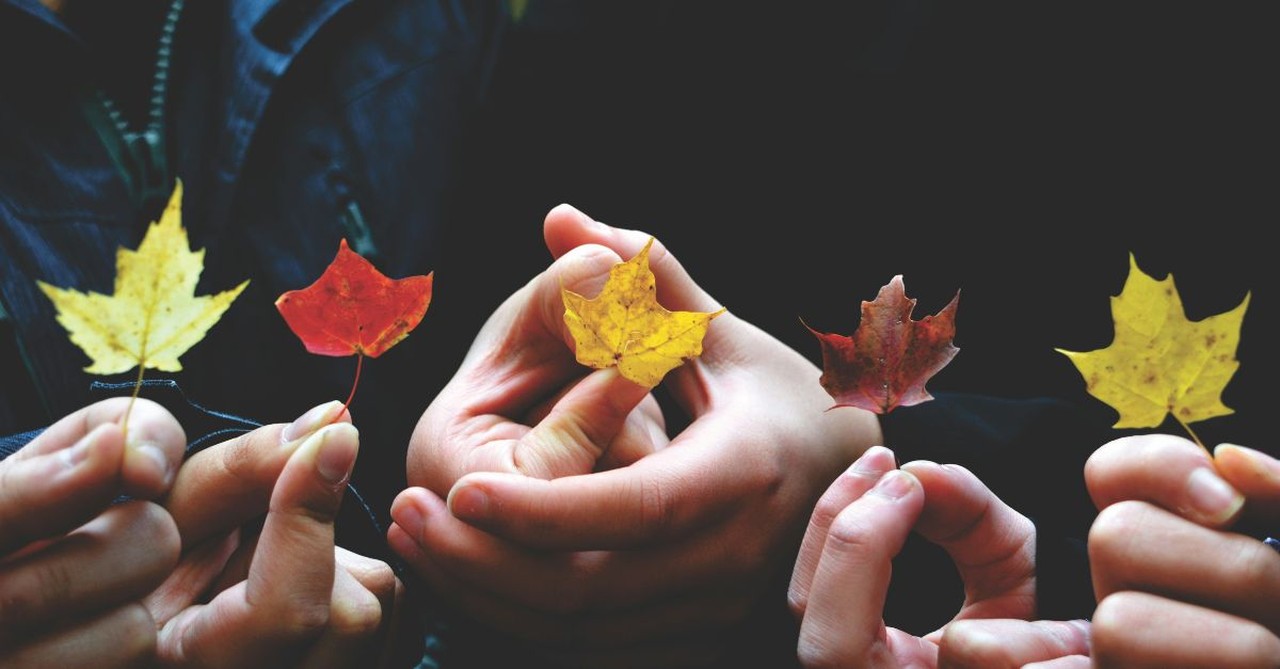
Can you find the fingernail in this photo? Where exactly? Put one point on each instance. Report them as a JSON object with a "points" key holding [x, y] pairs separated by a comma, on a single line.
{"points": [[336, 452], [893, 484], [469, 503], [875, 459], [1084, 627], [1262, 464], [922, 464], [1211, 496], [410, 519], [315, 418], [156, 458]]}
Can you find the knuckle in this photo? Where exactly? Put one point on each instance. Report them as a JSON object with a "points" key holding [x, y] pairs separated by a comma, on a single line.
{"points": [[657, 510], [769, 475], [52, 590], [1112, 623], [250, 461], [1113, 529], [355, 617], [11, 517], [851, 535], [965, 644], [37, 590], [311, 510], [824, 512], [303, 620], [137, 634], [1255, 563], [380, 579], [1114, 616], [158, 531]]}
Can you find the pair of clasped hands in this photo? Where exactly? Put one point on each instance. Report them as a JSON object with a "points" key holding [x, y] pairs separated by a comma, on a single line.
{"points": [[88, 579], [554, 508]]}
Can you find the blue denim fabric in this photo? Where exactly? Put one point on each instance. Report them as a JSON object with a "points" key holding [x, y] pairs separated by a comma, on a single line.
{"points": [[292, 125]]}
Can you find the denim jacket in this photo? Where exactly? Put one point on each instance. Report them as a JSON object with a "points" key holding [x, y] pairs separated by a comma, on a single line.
{"points": [[292, 125]]}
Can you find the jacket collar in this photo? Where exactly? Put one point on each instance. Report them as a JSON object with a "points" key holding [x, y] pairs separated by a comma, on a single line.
{"points": [[265, 38]]}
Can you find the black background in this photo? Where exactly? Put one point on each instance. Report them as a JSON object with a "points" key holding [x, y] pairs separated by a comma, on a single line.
{"points": [[796, 156]]}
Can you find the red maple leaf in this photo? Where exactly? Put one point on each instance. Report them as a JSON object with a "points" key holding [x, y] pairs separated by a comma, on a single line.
{"points": [[887, 361], [353, 309]]}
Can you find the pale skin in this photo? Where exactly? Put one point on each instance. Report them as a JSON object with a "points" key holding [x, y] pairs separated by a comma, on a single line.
{"points": [[183, 580], [1175, 585], [616, 542], [1176, 588], [285, 594], [75, 567], [843, 570]]}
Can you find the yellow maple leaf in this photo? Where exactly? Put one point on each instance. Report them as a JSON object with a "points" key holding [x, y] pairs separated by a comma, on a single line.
{"points": [[154, 315], [625, 326], [1159, 362]]}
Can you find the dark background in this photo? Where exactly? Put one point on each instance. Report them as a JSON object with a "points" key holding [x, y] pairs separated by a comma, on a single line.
{"points": [[797, 155]]}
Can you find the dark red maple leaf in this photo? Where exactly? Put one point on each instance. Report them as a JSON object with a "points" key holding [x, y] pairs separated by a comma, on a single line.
{"points": [[353, 309], [890, 357]]}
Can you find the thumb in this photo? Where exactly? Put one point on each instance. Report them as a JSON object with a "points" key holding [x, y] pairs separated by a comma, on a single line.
{"points": [[565, 228], [580, 427], [1005, 642], [1256, 475], [286, 598]]}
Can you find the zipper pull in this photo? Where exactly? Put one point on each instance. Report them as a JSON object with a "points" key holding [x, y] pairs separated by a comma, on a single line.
{"points": [[359, 236], [151, 167]]}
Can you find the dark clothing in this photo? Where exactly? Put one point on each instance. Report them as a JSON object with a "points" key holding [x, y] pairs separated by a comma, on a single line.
{"points": [[292, 125]]}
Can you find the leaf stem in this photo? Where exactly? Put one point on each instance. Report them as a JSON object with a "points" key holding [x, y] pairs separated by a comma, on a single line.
{"points": [[356, 382], [1192, 433], [137, 387]]}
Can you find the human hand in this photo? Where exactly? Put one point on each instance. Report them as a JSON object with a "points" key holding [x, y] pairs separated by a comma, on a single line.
{"points": [[842, 572], [74, 566], [654, 554], [1175, 586], [273, 591]]}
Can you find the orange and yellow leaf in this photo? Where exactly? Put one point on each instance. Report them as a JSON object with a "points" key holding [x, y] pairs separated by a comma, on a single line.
{"points": [[353, 309]]}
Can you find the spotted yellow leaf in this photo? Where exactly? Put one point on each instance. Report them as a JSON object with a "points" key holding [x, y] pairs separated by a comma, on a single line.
{"points": [[154, 316], [1159, 363], [625, 326]]}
